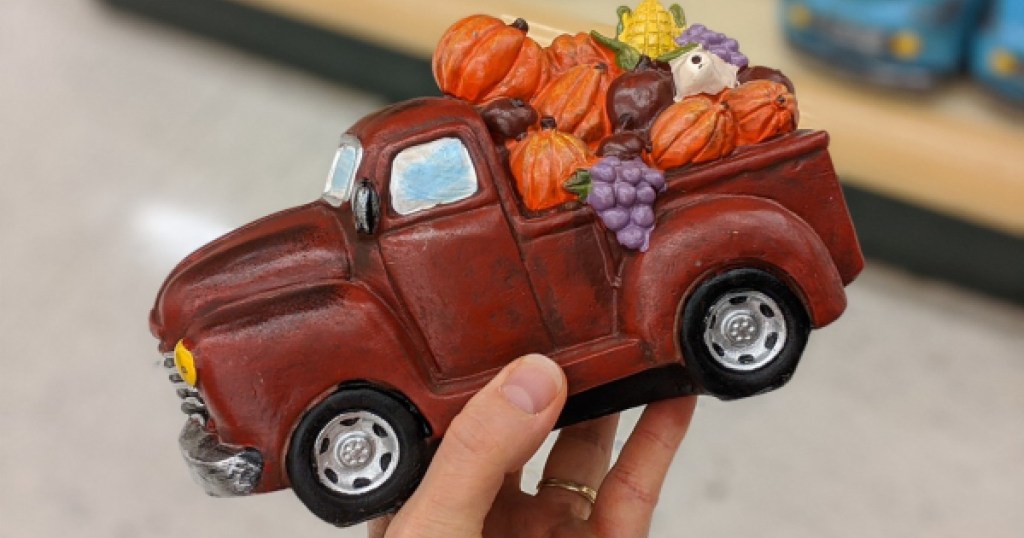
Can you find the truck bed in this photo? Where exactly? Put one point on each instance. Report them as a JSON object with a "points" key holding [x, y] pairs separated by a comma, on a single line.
{"points": [[794, 170]]}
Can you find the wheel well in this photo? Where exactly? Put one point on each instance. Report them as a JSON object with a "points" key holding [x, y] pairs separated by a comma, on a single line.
{"points": [[776, 272], [348, 385], [725, 383], [393, 393]]}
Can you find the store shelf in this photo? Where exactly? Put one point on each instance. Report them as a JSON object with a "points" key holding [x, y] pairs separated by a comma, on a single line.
{"points": [[935, 181], [954, 151]]}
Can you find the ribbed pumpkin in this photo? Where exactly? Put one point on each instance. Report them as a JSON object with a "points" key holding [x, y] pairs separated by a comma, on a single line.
{"points": [[543, 161], [763, 109], [480, 58], [694, 130], [576, 101], [568, 51]]}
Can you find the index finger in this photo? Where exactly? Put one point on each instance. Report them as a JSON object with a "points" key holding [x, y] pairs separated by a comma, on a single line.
{"points": [[626, 500]]}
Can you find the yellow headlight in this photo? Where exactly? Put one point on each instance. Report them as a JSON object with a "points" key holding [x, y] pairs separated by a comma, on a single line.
{"points": [[906, 45], [1003, 62], [186, 364], [799, 16]]}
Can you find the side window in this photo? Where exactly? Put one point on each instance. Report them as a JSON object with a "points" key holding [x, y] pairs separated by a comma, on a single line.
{"points": [[432, 174]]}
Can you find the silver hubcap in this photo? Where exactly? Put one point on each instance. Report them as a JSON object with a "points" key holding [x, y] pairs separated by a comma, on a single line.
{"points": [[355, 453], [744, 330]]}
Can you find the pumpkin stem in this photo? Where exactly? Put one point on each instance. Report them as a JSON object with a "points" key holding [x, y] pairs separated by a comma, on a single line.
{"points": [[521, 24], [548, 123]]}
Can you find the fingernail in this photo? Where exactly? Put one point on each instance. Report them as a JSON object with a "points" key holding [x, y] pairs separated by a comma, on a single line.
{"points": [[533, 384]]}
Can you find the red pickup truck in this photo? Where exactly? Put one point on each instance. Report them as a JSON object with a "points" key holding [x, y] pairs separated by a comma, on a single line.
{"points": [[327, 347]]}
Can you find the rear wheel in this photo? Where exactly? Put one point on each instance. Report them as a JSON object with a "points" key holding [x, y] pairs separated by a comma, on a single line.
{"points": [[357, 455], [743, 333]]}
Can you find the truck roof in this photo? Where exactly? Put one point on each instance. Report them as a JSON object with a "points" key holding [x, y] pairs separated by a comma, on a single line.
{"points": [[414, 116]]}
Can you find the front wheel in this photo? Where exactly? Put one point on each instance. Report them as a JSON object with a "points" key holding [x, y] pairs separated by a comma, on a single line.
{"points": [[357, 455], [743, 333]]}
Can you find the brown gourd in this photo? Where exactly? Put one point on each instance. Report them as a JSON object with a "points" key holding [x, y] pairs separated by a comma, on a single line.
{"points": [[576, 101], [694, 130], [543, 161], [508, 119], [636, 98], [763, 109], [480, 59]]}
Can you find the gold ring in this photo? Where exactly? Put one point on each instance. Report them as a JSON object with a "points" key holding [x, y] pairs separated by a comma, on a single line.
{"points": [[587, 492]]}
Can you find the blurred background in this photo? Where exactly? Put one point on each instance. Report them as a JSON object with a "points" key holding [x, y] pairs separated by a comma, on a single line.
{"points": [[133, 131]]}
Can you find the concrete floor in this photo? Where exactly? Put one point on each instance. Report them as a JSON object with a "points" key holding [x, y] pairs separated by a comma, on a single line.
{"points": [[124, 145]]}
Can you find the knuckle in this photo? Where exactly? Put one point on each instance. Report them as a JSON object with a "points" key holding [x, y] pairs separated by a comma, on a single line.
{"points": [[469, 433], [651, 437], [589, 439], [629, 481]]}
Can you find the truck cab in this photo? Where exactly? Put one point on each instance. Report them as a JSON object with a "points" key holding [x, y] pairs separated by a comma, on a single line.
{"points": [[328, 347]]}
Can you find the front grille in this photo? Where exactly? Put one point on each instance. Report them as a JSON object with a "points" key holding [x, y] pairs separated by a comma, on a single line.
{"points": [[192, 403]]}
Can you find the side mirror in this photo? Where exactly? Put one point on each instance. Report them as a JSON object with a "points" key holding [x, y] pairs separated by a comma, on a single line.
{"points": [[366, 208]]}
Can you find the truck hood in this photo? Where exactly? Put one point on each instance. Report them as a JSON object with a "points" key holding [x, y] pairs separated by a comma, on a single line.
{"points": [[302, 245]]}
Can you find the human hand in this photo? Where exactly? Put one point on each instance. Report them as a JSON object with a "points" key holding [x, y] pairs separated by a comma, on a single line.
{"points": [[472, 487]]}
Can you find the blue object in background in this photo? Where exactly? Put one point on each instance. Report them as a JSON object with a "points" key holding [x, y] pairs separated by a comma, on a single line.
{"points": [[997, 58], [901, 43]]}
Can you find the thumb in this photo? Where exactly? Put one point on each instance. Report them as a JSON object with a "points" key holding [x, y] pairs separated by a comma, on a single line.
{"points": [[497, 432]]}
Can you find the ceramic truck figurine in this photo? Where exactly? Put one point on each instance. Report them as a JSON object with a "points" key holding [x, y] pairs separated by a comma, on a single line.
{"points": [[326, 348]]}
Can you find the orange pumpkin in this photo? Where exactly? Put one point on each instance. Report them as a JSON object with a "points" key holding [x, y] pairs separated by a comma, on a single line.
{"points": [[576, 101], [543, 161], [694, 130], [480, 58], [568, 51], [763, 109]]}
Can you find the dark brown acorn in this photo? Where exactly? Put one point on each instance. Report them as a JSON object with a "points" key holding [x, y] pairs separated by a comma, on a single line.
{"points": [[760, 72], [636, 98], [625, 145], [508, 119]]}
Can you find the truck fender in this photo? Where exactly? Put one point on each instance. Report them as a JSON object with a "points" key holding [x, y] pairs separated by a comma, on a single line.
{"points": [[695, 242], [263, 363]]}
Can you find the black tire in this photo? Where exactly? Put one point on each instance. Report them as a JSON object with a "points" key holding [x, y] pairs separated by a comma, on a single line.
{"points": [[750, 361], [343, 503]]}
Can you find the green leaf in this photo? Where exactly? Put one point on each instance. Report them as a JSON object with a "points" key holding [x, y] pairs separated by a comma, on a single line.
{"points": [[579, 184], [625, 55], [609, 42], [669, 56], [628, 57], [678, 15]]}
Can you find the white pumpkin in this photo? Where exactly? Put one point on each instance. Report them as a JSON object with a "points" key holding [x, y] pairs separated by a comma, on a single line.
{"points": [[700, 71]]}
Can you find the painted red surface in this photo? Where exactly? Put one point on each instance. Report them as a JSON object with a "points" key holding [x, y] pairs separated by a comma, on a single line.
{"points": [[283, 311]]}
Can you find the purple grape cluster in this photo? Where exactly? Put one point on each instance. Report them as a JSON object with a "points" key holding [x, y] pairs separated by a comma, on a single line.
{"points": [[623, 193], [716, 43]]}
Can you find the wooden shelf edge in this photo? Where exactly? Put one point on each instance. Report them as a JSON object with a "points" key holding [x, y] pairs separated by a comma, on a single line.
{"points": [[907, 234], [942, 166]]}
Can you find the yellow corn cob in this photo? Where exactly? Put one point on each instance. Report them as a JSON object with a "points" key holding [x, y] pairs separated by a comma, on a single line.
{"points": [[650, 28]]}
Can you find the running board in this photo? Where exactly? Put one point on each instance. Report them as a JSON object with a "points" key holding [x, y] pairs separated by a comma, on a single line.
{"points": [[660, 383]]}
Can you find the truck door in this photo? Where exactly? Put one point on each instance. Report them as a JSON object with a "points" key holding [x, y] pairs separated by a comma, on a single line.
{"points": [[451, 257]]}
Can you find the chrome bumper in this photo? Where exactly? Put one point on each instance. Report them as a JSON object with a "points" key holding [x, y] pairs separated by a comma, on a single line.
{"points": [[222, 471]]}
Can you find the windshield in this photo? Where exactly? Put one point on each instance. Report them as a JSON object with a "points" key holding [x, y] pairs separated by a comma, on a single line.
{"points": [[343, 171]]}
